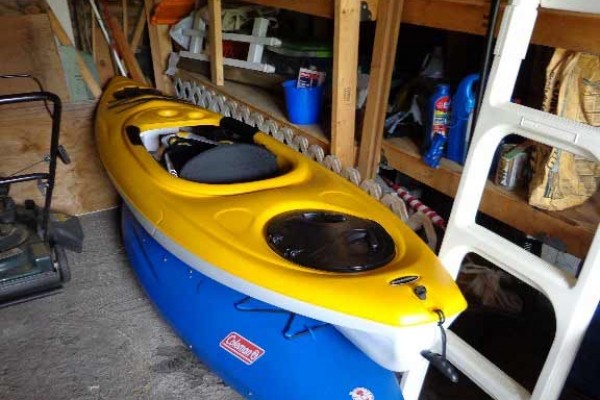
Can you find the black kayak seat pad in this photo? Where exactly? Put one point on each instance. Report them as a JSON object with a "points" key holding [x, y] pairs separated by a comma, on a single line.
{"points": [[231, 163]]}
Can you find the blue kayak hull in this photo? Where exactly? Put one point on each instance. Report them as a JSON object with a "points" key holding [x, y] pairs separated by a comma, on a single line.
{"points": [[262, 351]]}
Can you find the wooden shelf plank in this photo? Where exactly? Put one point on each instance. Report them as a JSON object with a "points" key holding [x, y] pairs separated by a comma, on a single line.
{"points": [[575, 226], [574, 31], [264, 102], [319, 8]]}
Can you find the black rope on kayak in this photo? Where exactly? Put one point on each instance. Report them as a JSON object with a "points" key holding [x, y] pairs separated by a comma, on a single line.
{"points": [[441, 322], [245, 304], [439, 361], [289, 331]]}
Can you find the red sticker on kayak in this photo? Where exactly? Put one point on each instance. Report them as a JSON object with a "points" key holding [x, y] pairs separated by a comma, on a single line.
{"points": [[361, 393], [242, 348]]}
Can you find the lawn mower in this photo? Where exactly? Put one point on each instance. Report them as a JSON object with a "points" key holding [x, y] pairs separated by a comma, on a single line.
{"points": [[33, 239]]}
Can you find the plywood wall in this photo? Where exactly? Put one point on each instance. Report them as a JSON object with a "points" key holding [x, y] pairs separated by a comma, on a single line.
{"points": [[21, 7], [27, 46], [82, 186]]}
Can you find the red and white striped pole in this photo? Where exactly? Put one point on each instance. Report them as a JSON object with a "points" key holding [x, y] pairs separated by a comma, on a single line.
{"points": [[416, 204]]}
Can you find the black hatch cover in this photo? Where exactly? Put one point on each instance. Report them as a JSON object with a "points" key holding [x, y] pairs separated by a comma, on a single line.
{"points": [[329, 241]]}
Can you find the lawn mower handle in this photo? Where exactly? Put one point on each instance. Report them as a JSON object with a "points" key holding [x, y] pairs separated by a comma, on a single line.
{"points": [[56, 116]]}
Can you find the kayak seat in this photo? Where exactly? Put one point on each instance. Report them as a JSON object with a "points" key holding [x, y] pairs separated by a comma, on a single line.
{"points": [[231, 163]]}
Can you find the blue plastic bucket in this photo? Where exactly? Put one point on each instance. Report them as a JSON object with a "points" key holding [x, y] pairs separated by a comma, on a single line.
{"points": [[303, 104]]}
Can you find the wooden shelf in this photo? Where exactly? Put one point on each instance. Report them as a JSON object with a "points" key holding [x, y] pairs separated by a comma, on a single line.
{"points": [[574, 31], [319, 8], [575, 226], [264, 102], [569, 30]]}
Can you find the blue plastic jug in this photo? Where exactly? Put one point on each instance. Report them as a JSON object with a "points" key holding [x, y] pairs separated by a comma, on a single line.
{"points": [[463, 104], [437, 125]]}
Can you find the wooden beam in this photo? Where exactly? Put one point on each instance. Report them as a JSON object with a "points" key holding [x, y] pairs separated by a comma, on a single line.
{"points": [[216, 42], [380, 80], [125, 52], [102, 56], [569, 30], [160, 44], [65, 40], [345, 65], [138, 31]]}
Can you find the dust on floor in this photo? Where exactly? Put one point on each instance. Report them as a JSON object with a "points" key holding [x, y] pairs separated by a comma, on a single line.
{"points": [[100, 338]]}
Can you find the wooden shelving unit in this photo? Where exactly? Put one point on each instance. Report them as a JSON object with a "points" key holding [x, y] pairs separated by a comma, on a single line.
{"points": [[569, 30], [575, 226]]}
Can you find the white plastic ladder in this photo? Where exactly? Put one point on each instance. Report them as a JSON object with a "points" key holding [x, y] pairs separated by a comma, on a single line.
{"points": [[574, 299]]}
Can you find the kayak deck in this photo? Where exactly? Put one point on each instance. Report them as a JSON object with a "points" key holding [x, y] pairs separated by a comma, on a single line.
{"points": [[220, 229]]}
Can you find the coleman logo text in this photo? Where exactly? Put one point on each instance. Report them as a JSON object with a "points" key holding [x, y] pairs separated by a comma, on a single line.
{"points": [[241, 348]]}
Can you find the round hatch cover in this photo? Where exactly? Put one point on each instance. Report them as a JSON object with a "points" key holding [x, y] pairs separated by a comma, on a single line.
{"points": [[329, 241]]}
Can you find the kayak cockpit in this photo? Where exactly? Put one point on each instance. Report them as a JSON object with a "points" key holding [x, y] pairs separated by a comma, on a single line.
{"points": [[211, 154]]}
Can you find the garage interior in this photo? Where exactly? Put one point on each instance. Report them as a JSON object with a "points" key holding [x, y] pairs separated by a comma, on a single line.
{"points": [[391, 79]]}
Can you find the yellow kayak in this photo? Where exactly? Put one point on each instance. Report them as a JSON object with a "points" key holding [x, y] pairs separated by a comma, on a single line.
{"points": [[295, 235]]}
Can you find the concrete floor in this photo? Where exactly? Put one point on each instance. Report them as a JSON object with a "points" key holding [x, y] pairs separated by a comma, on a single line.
{"points": [[100, 338]]}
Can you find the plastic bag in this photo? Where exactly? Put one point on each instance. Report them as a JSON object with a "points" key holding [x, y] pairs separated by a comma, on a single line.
{"points": [[562, 179]]}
